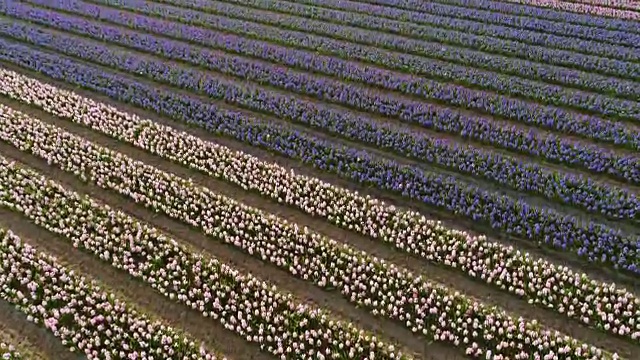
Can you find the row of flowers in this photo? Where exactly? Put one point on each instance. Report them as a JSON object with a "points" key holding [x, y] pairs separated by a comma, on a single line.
{"points": [[534, 279], [535, 114], [374, 284], [614, 4], [474, 20], [610, 44], [244, 304], [80, 312], [536, 11], [552, 148], [446, 119], [594, 241], [447, 67], [509, 48], [529, 177], [582, 8]]}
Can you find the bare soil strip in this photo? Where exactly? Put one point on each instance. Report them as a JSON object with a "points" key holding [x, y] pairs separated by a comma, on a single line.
{"points": [[10, 338], [450, 278]]}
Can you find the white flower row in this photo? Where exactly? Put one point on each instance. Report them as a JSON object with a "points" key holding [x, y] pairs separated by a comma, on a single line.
{"points": [[242, 303], [384, 289], [559, 288], [83, 316]]}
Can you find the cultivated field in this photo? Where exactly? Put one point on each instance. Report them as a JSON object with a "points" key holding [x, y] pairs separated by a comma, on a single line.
{"points": [[319, 179]]}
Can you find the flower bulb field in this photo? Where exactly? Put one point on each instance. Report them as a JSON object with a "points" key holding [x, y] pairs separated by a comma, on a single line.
{"points": [[320, 179]]}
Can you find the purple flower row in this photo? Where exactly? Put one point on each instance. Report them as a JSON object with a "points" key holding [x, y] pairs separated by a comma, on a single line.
{"points": [[253, 309], [353, 71], [555, 118], [593, 241], [619, 68], [556, 149], [484, 18], [528, 177], [613, 44], [508, 7], [446, 69]]}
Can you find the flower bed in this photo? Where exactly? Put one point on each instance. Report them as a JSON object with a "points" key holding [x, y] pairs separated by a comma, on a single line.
{"points": [[84, 316], [540, 282]]}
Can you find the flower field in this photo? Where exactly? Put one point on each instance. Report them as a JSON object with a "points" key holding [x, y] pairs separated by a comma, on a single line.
{"points": [[320, 179]]}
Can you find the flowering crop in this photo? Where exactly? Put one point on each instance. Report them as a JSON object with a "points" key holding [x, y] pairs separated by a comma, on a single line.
{"points": [[438, 12], [8, 351], [552, 148], [612, 4], [526, 10], [382, 288], [582, 8], [543, 92], [560, 57], [603, 44], [321, 87], [517, 121], [447, 69], [594, 241], [331, 90], [242, 303], [549, 285], [85, 316], [528, 177]]}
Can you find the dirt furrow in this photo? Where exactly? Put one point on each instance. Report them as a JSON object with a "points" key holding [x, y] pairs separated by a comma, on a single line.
{"points": [[449, 277], [10, 338]]}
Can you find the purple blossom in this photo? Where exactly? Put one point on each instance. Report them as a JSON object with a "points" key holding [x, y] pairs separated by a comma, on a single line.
{"points": [[525, 9], [528, 177], [570, 293]]}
